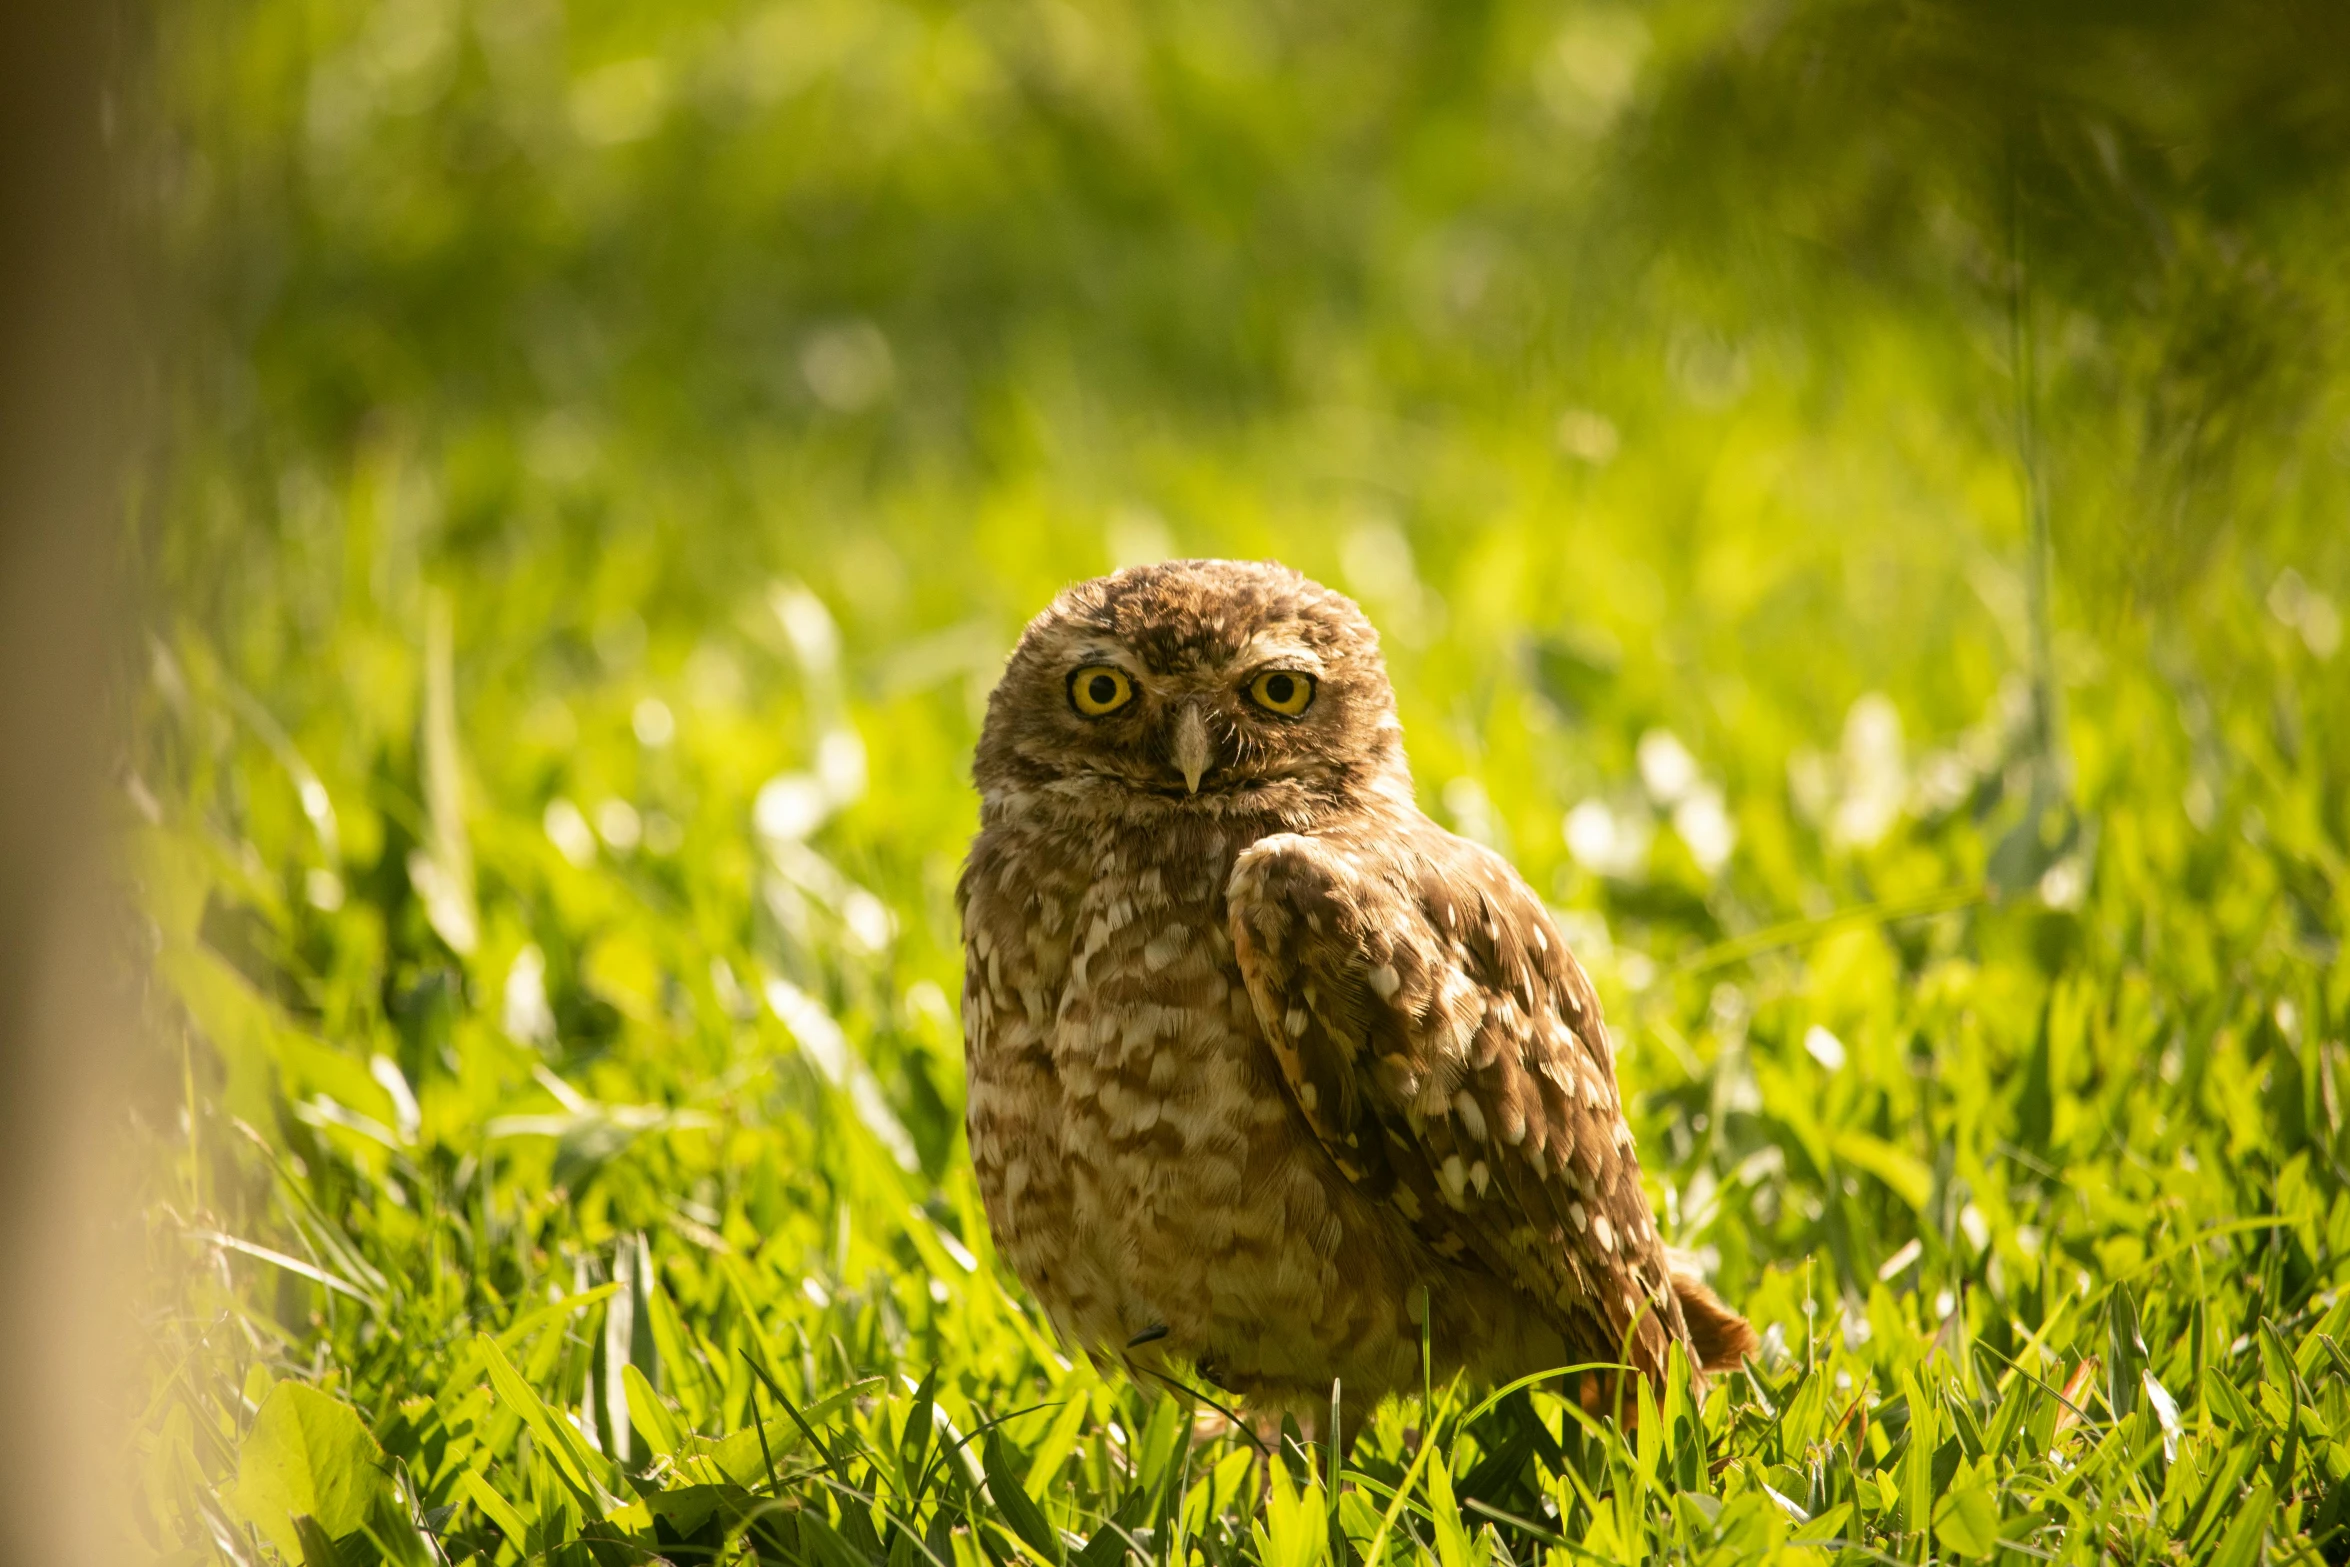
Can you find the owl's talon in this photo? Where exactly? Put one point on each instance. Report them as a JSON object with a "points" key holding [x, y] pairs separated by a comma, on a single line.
{"points": [[1150, 1335]]}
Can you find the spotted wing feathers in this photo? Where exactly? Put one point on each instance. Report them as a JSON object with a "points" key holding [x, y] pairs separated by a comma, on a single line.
{"points": [[1448, 1051]]}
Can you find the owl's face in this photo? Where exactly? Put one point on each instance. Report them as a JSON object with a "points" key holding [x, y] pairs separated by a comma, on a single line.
{"points": [[1209, 681]]}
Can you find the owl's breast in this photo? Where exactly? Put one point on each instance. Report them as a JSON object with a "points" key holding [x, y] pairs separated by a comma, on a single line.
{"points": [[1152, 1173], [1163, 1081], [1201, 1201]]}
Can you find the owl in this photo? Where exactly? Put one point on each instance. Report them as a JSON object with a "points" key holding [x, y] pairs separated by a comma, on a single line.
{"points": [[1268, 1070]]}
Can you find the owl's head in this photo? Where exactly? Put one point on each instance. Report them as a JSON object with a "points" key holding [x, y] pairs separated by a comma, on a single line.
{"points": [[1215, 683]]}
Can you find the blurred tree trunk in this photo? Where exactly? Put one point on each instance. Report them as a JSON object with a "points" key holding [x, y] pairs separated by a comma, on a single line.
{"points": [[63, 1331]]}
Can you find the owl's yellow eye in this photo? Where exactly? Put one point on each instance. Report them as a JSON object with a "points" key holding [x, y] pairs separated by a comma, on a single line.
{"points": [[1100, 688], [1282, 691]]}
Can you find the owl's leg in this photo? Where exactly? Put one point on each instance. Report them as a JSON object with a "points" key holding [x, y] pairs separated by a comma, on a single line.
{"points": [[1277, 1416], [1315, 1415], [1210, 1425]]}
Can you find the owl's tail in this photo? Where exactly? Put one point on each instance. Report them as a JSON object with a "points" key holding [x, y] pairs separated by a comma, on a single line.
{"points": [[1721, 1337]]}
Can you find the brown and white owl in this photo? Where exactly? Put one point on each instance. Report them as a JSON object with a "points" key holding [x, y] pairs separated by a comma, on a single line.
{"points": [[1261, 1058]]}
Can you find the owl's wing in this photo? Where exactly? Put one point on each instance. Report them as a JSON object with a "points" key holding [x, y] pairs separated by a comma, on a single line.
{"points": [[1448, 1051]]}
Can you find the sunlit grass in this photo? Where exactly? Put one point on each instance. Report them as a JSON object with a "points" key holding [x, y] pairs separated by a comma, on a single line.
{"points": [[648, 1210]]}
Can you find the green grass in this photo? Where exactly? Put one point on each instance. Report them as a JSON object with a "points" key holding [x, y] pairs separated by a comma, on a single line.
{"points": [[600, 483]]}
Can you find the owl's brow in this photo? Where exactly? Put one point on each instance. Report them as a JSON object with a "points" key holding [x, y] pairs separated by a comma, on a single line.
{"points": [[1272, 647], [1106, 653]]}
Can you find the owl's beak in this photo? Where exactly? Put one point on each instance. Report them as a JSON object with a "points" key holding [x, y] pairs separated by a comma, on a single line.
{"points": [[1191, 747]]}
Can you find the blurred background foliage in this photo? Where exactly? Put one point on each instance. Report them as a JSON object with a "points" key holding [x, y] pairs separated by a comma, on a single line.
{"points": [[1854, 494]]}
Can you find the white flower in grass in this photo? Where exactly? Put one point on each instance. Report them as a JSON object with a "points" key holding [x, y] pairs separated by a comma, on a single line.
{"points": [[1666, 766], [526, 1017], [1605, 841], [568, 830], [1703, 822]]}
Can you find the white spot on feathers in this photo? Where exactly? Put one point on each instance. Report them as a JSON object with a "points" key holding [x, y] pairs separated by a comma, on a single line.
{"points": [[1605, 1232], [1472, 1118], [1385, 981]]}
